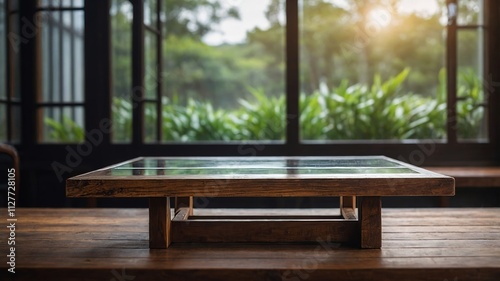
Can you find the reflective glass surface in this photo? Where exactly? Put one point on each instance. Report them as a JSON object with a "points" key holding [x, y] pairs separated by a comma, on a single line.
{"points": [[262, 166]]}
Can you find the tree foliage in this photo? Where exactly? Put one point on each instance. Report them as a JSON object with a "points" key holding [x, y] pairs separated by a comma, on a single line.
{"points": [[195, 18]]}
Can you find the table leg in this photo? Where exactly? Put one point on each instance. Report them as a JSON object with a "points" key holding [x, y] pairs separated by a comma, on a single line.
{"points": [[348, 207], [444, 201], [370, 218], [159, 223], [184, 202]]}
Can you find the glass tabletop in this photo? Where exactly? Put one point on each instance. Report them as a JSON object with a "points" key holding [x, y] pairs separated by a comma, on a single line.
{"points": [[260, 176], [260, 166]]}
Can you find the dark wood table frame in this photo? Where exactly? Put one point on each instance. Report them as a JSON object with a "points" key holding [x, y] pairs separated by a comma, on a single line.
{"points": [[359, 223]]}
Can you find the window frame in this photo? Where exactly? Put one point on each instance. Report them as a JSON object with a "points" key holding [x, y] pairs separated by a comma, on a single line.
{"points": [[98, 101], [139, 29], [41, 105]]}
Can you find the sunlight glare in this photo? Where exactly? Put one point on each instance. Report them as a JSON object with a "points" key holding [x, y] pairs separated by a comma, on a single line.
{"points": [[420, 7], [380, 17]]}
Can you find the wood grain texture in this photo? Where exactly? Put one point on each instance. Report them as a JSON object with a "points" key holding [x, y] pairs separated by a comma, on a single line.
{"points": [[266, 231], [348, 207], [183, 202], [159, 223], [105, 244], [371, 222], [239, 227], [182, 214], [291, 186]]}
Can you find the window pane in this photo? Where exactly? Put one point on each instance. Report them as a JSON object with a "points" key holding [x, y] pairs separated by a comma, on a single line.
{"points": [[150, 119], [15, 57], [121, 40], [15, 121], [62, 57], [150, 11], [14, 51], [62, 3], [62, 124], [78, 62], [372, 71], [3, 120], [471, 113], [224, 71], [470, 12], [150, 65]]}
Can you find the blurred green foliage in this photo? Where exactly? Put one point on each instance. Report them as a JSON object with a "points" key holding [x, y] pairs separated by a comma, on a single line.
{"points": [[66, 131], [348, 112], [470, 106], [377, 111]]}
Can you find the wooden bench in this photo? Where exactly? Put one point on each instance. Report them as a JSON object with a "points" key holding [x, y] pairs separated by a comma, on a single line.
{"points": [[112, 244], [469, 177]]}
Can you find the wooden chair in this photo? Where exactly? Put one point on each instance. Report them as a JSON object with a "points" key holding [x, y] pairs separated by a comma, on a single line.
{"points": [[12, 153]]}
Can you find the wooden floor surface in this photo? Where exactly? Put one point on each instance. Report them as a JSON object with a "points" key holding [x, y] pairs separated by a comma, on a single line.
{"points": [[112, 244]]}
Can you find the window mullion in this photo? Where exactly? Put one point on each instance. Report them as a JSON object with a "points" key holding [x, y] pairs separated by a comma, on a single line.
{"points": [[492, 69], [61, 63], [30, 132], [292, 76], [159, 64], [451, 71], [138, 72], [97, 97], [9, 71]]}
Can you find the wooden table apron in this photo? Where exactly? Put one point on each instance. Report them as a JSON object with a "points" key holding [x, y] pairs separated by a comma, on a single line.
{"points": [[359, 188]]}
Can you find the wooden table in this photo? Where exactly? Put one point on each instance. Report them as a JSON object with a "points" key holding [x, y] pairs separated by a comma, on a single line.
{"points": [[112, 244], [184, 178]]}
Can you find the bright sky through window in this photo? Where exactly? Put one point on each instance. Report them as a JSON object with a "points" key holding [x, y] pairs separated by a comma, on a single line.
{"points": [[252, 13], [420, 7], [380, 17], [234, 31]]}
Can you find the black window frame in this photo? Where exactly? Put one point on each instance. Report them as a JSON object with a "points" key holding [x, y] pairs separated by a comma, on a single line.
{"points": [[52, 103]]}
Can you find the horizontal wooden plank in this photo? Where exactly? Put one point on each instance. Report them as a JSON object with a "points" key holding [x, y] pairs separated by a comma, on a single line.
{"points": [[142, 235], [452, 230], [273, 262], [242, 186], [234, 251], [277, 231], [485, 245], [452, 221], [407, 235], [455, 243]]}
